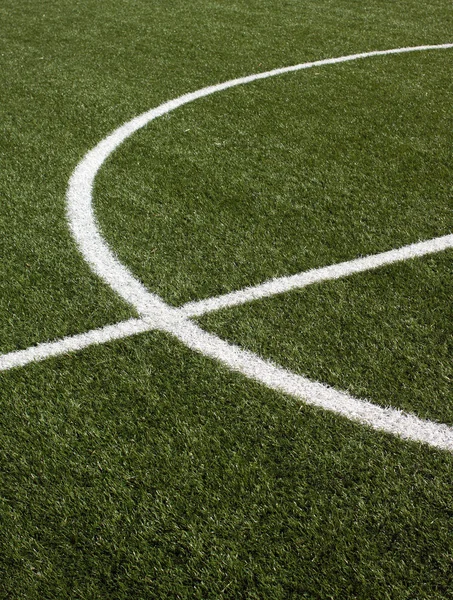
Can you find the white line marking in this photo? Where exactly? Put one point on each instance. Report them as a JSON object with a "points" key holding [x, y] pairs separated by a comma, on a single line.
{"points": [[285, 284], [404, 425], [156, 314], [81, 216], [124, 329], [72, 343]]}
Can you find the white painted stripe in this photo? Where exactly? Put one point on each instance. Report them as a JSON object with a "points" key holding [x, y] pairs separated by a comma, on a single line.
{"points": [[150, 307], [404, 425], [81, 216], [279, 285], [285, 284], [72, 343]]}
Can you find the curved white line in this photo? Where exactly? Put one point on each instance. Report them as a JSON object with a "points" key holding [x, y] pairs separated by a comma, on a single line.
{"points": [[80, 212], [390, 420], [157, 314]]}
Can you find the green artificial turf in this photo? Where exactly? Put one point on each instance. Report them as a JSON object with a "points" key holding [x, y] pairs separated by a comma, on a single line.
{"points": [[385, 335], [140, 469]]}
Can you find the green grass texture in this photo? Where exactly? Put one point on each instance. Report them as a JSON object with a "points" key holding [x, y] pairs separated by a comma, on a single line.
{"points": [[140, 469]]}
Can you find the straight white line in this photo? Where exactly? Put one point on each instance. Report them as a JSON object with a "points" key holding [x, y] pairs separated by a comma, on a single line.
{"points": [[293, 282], [73, 343]]}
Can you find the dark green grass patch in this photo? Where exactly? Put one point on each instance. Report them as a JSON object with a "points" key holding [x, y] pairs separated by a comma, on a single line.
{"points": [[284, 175], [385, 335], [141, 470]]}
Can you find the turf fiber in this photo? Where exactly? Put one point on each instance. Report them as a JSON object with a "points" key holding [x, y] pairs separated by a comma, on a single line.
{"points": [[140, 469]]}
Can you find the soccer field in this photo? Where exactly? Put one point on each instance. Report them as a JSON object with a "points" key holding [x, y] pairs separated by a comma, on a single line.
{"points": [[226, 284]]}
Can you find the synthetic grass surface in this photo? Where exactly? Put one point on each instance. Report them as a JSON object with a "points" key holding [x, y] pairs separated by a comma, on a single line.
{"points": [[386, 335], [141, 470], [73, 71]]}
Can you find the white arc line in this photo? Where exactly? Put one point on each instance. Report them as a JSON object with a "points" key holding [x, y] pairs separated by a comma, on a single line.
{"points": [[156, 314], [152, 309], [390, 420]]}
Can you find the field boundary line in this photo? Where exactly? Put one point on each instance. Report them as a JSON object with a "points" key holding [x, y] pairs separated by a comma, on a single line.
{"points": [[156, 314]]}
